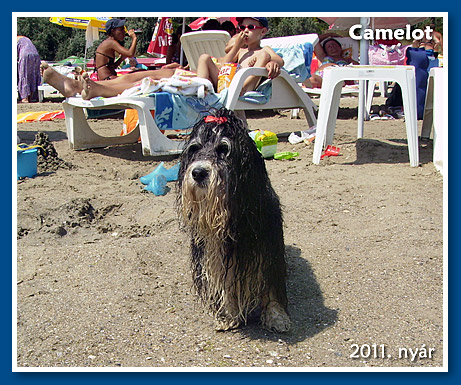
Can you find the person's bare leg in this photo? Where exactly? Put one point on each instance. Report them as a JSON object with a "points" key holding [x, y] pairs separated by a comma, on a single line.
{"points": [[206, 69], [315, 81], [69, 87], [106, 88], [139, 75], [66, 86]]}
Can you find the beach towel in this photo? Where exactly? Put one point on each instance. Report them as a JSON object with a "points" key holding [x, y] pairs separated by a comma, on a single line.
{"points": [[297, 63], [39, 116], [297, 60], [179, 101]]}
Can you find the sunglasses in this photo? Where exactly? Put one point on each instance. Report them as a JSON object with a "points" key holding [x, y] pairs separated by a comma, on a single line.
{"points": [[250, 27]]}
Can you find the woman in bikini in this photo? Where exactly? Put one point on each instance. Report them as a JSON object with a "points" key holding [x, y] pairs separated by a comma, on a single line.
{"points": [[105, 61]]}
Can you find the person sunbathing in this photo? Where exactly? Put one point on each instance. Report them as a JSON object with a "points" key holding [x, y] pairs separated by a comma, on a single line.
{"points": [[71, 87], [329, 53]]}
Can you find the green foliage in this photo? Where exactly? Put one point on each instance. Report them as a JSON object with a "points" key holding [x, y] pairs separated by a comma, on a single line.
{"points": [[289, 26], [52, 41], [438, 22], [147, 25]]}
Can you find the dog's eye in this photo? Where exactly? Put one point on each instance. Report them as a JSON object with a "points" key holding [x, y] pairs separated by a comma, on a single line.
{"points": [[223, 148], [193, 147]]}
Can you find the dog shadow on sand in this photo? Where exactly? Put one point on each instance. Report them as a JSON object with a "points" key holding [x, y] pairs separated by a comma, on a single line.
{"points": [[308, 313]]}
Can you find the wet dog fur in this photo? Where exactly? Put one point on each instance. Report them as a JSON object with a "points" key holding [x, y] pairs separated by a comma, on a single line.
{"points": [[226, 202]]}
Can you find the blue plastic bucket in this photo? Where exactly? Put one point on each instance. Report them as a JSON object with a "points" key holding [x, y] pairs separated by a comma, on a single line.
{"points": [[27, 163]]}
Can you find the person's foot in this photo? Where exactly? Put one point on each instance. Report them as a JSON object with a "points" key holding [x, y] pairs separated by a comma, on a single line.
{"points": [[43, 66], [89, 86], [66, 86]]}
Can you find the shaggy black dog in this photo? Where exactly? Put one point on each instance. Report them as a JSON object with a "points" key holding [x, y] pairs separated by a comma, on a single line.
{"points": [[226, 201]]}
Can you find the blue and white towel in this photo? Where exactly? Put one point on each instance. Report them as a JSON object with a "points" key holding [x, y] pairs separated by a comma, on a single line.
{"points": [[297, 60], [179, 101]]}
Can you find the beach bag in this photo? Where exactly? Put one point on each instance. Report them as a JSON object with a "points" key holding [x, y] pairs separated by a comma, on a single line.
{"points": [[380, 54]]}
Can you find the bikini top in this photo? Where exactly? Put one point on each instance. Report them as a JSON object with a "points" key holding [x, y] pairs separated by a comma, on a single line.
{"points": [[110, 64]]}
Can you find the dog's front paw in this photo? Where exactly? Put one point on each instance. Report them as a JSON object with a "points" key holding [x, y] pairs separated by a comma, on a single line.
{"points": [[275, 318], [223, 324]]}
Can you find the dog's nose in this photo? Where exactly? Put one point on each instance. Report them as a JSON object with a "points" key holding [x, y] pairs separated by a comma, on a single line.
{"points": [[200, 174]]}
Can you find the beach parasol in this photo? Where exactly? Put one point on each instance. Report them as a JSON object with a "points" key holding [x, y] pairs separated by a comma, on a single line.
{"points": [[162, 37], [81, 22], [92, 25]]}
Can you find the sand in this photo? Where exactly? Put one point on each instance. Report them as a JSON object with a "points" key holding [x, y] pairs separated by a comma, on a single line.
{"points": [[103, 273]]}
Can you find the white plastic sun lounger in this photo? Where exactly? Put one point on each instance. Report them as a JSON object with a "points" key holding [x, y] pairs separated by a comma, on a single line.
{"points": [[286, 93], [82, 136]]}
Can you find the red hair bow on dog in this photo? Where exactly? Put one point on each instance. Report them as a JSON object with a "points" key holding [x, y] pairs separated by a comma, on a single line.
{"points": [[214, 119]]}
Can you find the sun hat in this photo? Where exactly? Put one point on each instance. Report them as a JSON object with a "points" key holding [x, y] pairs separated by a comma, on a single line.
{"points": [[263, 20], [113, 23], [324, 42]]}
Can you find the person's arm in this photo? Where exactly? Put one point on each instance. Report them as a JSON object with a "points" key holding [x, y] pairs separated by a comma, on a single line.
{"points": [[324, 36], [275, 64], [232, 55], [319, 52], [124, 53], [231, 43], [170, 52]]}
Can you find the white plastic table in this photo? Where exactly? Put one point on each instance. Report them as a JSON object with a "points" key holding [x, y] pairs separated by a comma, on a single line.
{"points": [[331, 92]]}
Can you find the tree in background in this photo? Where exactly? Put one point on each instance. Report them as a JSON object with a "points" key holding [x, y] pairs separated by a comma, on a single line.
{"points": [[55, 43], [52, 41], [289, 26]]}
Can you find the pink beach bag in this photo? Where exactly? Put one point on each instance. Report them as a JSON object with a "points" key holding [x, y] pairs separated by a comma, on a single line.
{"points": [[380, 54]]}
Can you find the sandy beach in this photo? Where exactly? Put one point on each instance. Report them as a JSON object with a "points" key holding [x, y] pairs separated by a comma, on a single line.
{"points": [[103, 272]]}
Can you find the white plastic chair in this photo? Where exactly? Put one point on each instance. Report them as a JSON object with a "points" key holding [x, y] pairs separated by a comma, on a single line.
{"points": [[286, 93]]}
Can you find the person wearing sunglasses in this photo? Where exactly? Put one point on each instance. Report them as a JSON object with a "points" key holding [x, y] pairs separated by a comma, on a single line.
{"points": [[245, 49]]}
